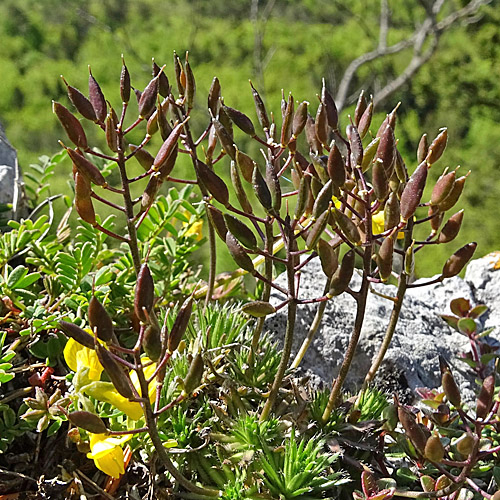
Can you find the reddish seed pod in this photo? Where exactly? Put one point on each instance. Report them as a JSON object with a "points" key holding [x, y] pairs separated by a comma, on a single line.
{"points": [[239, 190], [214, 96], [361, 106], [442, 188], [226, 122], [118, 377], [152, 342], [386, 151], [412, 429], [412, 193], [454, 195], [81, 103], [321, 125], [332, 115], [458, 260], [99, 320], [434, 449], [225, 138], [147, 102], [258, 309], [167, 147], [145, 159], [77, 333], [356, 144], [163, 83], [328, 257], [300, 119], [423, 148], [343, 275], [190, 85], [88, 421], [125, 83], [400, 167], [213, 183], [169, 164], [323, 200], [437, 147], [451, 228], [180, 325], [111, 135], [86, 167], [436, 218], [261, 109], [178, 74], [392, 214], [365, 121], [317, 229], [261, 190], [96, 97], [350, 230], [336, 167], [245, 164], [380, 181], [238, 253], [466, 444], [83, 200], [450, 388], [302, 196], [217, 219], [286, 127], [369, 154], [240, 120], [149, 195], [240, 230], [144, 293], [384, 258], [485, 398], [273, 184], [71, 125], [312, 139]]}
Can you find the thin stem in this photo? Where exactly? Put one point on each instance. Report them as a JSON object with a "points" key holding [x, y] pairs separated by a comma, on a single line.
{"points": [[101, 155], [107, 202], [111, 233], [212, 261]]}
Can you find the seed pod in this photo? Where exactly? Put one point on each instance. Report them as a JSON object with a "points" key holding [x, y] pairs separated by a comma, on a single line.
{"points": [[323, 200], [350, 230], [409, 263], [194, 375], [125, 83], [317, 229], [273, 184], [332, 115], [213, 96], [361, 106], [261, 190], [147, 102], [485, 398], [238, 253], [442, 188], [434, 449], [336, 167], [86, 167], [392, 214], [286, 127], [217, 220], [245, 164], [152, 342], [343, 275], [321, 124], [450, 388], [437, 147], [190, 85], [299, 119], [163, 83], [465, 444], [163, 125], [179, 75], [169, 164], [400, 167], [384, 258], [380, 181], [390, 120], [451, 228], [111, 135], [71, 125], [412, 429], [96, 97], [258, 308], [241, 232], [88, 421], [320, 163], [369, 154], [423, 148], [213, 183], [454, 195], [145, 159], [180, 325], [144, 293], [386, 151], [149, 195], [239, 190], [260, 109], [83, 200], [118, 377], [224, 138], [458, 260], [436, 218], [81, 103], [328, 257], [412, 193], [302, 196], [99, 320], [167, 147], [76, 333], [365, 121], [356, 144], [311, 138], [240, 120]]}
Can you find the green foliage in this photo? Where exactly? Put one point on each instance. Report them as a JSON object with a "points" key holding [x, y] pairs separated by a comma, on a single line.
{"points": [[6, 354]]}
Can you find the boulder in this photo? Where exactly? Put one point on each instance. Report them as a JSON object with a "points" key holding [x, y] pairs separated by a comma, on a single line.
{"points": [[421, 335]]}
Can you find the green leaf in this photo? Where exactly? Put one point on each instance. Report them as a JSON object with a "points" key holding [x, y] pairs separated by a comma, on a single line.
{"points": [[16, 276], [28, 280], [467, 326]]}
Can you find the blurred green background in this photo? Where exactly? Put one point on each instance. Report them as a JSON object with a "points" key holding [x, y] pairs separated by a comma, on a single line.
{"points": [[278, 44]]}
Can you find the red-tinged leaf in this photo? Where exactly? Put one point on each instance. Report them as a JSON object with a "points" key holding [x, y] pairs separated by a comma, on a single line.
{"points": [[467, 326], [460, 307], [428, 484], [477, 311], [451, 320], [368, 483], [383, 494]]}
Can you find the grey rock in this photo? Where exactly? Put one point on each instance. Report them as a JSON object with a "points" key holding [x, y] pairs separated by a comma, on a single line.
{"points": [[421, 335]]}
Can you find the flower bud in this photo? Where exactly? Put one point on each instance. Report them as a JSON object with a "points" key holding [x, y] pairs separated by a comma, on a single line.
{"points": [[71, 125], [258, 308], [180, 325], [99, 320], [118, 377], [213, 183], [451, 228], [412, 193], [240, 231], [458, 260], [144, 292], [96, 97], [77, 333], [437, 147], [238, 253], [88, 421]]}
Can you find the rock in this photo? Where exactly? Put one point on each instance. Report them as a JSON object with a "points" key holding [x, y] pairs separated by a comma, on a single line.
{"points": [[421, 335]]}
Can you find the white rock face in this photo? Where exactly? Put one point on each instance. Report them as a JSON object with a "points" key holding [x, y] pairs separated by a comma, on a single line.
{"points": [[420, 337]]}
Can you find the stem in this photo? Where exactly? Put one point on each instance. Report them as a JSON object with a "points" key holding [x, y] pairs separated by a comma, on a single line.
{"points": [[212, 261]]}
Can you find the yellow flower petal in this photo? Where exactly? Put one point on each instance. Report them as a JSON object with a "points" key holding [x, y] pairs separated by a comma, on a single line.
{"points": [[378, 224], [107, 453], [78, 356]]}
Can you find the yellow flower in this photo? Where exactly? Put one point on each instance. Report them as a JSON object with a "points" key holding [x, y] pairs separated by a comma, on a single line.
{"points": [[78, 356], [378, 224], [194, 229], [107, 453]]}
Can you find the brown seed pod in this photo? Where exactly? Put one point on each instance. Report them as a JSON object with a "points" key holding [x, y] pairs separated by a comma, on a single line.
{"points": [[88, 421], [434, 449], [356, 144], [71, 125], [76, 333], [350, 230], [323, 200], [151, 342], [149, 195], [179, 78], [125, 83], [99, 320], [485, 398], [163, 83], [224, 136], [458, 260], [260, 109], [273, 184], [386, 151], [317, 229], [145, 159], [456, 191], [194, 375], [451, 228], [147, 101], [258, 309], [240, 230], [336, 167], [332, 115], [144, 293], [239, 190], [86, 167], [392, 215], [261, 190], [81, 103], [321, 125], [111, 135], [190, 85], [436, 218], [167, 147], [245, 164], [412, 193], [443, 188], [380, 181], [369, 154], [214, 96], [365, 120], [423, 148], [412, 429], [96, 97], [343, 275], [437, 147], [302, 196], [238, 253], [286, 127], [180, 325], [312, 139], [83, 200], [169, 164], [361, 106], [240, 120], [299, 119], [118, 377], [213, 183], [451, 389], [217, 219], [328, 257], [384, 258], [320, 163]]}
